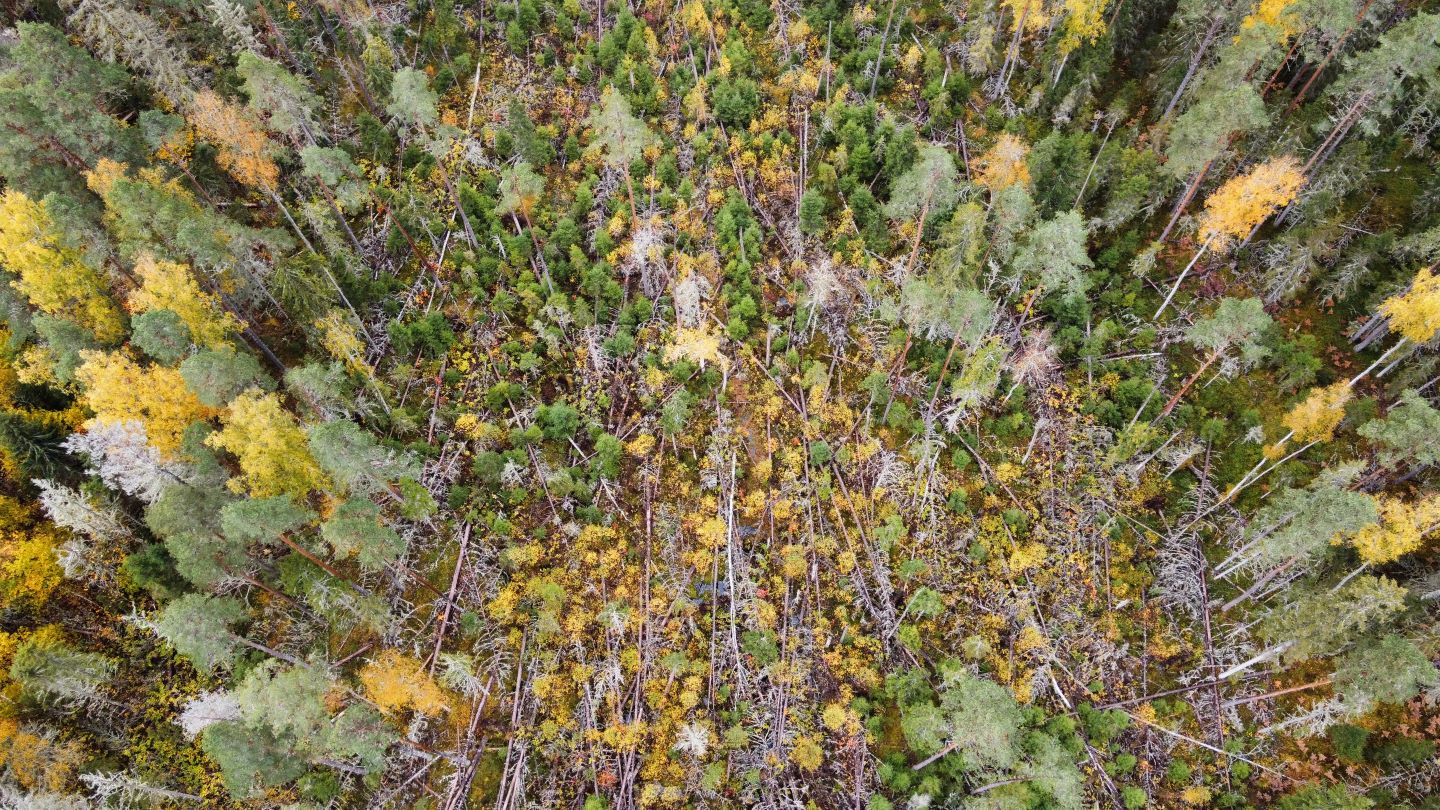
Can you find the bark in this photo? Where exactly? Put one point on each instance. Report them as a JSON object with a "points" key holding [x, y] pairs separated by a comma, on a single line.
{"points": [[1178, 281]]}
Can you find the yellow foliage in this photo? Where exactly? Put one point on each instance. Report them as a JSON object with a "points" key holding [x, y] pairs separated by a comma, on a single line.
{"points": [[793, 562], [1400, 531], [696, 108], [30, 570], [38, 763], [640, 446], [1243, 202], [54, 277], [1276, 14], [242, 147], [1029, 13], [1084, 22], [1026, 557], [1316, 418], [1004, 164], [117, 388], [397, 682], [167, 285], [339, 337], [1195, 796], [1415, 313], [271, 449], [697, 22], [699, 346], [806, 753]]}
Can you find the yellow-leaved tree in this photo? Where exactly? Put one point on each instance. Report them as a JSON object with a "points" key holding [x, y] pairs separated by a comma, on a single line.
{"points": [[340, 339], [1084, 22], [117, 389], [1400, 531], [397, 682], [54, 277], [29, 568], [271, 449], [1315, 419], [1003, 165], [1415, 313], [1239, 205], [242, 147], [1279, 15], [168, 285]]}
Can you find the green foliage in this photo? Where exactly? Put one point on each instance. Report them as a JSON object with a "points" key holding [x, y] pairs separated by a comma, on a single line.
{"points": [[356, 530], [217, 377], [1348, 741], [198, 627], [161, 334], [428, 335]]}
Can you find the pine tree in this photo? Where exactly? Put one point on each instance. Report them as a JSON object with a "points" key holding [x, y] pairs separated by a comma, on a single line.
{"points": [[1235, 324], [929, 184], [1054, 257], [1323, 622], [1390, 670], [218, 377], [620, 137], [357, 530], [282, 100], [1406, 432], [198, 627], [412, 102], [57, 108]]}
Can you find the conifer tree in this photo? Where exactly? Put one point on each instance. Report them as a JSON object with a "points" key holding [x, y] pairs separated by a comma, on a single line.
{"points": [[929, 184], [620, 137]]}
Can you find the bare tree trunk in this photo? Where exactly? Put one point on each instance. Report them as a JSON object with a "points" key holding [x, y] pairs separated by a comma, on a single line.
{"points": [[1324, 63], [919, 232], [1170, 406], [1185, 199], [880, 55], [1195, 61], [1178, 281]]}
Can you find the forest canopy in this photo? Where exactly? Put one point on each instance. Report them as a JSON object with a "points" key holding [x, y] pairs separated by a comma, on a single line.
{"points": [[984, 404]]}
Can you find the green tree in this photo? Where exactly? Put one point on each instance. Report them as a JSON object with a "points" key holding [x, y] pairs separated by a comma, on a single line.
{"points": [[1390, 670], [198, 627], [57, 109], [1053, 256], [1407, 432], [412, 103], [1237, 323], [218, 377], [357, 530], [929, 184], [45, 665], [620, 137]]}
